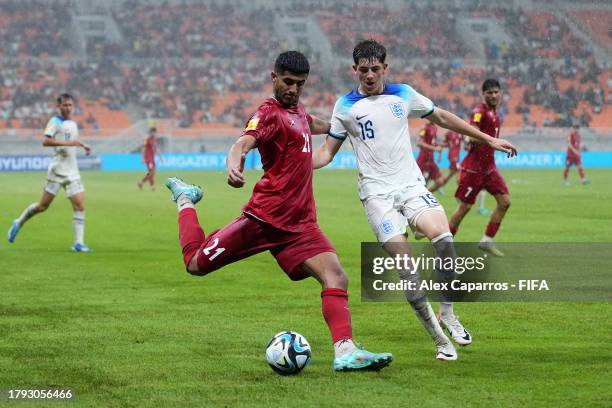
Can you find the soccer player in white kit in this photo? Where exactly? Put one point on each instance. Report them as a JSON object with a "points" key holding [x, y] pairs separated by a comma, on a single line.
{"points": [[62, 134], [391, 186]]}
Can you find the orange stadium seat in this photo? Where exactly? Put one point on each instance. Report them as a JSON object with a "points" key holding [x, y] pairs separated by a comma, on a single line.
{"points": [[598, 22]]}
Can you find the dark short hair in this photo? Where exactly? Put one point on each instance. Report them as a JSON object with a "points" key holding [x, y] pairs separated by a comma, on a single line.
{"points": [[63, 97], [292, 61], [152, 129], [369, 50], [490, 83]]}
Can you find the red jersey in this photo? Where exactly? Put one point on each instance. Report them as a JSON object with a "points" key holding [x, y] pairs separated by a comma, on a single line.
{"points": [[283, 196], [574, 140], [428, 135], [453, 140], [150, 148], [480, 157]]}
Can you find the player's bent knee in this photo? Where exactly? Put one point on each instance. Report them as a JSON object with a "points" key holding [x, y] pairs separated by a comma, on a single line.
{"points": [[337, 278], [192, 267], [196, 269]]}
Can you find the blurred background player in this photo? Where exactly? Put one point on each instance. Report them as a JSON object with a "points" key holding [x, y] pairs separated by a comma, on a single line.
{"points": [[478, 169], [573, 157], [149, 151], [482, 209], [281, 214], [425, 160], [452, 141], [374, 117], [62, 134]]}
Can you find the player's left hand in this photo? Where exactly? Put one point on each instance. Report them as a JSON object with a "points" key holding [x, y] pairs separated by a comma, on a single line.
{"points": [[504, 146]]}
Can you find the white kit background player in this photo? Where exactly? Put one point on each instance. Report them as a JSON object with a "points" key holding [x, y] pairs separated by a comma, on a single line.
{"points": [[391, 186], [62, 134]]}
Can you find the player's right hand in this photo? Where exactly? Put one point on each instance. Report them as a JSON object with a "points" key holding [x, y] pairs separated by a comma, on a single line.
{"points": [[504, 146], [235, 178], [86, 148]]}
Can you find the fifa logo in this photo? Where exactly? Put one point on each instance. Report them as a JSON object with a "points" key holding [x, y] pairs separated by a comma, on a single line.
{"points": [[397, 109]]}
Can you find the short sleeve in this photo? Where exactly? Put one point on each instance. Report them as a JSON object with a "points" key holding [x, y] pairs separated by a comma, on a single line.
{"points": [[338, 129], [418, 105], [263, 125], [476, 119], [52, 128]]}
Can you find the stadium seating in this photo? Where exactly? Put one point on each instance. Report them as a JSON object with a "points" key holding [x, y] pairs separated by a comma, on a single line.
{"points": [[213, 75]]}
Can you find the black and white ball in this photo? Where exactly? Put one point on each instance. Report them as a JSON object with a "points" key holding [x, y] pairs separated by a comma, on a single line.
{"points": [[288, 353]]}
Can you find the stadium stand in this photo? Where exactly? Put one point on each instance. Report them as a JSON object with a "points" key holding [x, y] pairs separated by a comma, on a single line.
{"points": [[205, 66]]}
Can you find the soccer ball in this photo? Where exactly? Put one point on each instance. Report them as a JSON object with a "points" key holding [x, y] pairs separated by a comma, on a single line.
{"points": [[288, 353]]}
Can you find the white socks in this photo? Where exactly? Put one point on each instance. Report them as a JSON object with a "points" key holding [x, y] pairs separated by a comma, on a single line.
{"points": [[428, 319], [446, 309], [78, 226], [342, 347], [28, 213], [184, 202]]}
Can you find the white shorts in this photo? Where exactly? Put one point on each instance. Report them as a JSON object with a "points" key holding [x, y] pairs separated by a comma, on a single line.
{"points": [[72, 187], [389, 215]]}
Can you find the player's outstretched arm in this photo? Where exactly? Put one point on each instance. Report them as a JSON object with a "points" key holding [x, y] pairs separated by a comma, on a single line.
{"points": [[50, 142], [235, 160], [319, 126], [325, 154], [450, 121]]}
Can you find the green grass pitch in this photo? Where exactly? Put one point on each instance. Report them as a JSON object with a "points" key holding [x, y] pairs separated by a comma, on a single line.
{"points": [[125, 326]]}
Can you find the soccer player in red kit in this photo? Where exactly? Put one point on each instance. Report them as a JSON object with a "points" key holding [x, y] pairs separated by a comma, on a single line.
{"points": [[452, 140], [280, 217], [149, 150], [478, 169], [426, 162], [573, 156]]}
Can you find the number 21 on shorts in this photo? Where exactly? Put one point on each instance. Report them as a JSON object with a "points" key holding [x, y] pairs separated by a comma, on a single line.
{"points": [[209, 249]]}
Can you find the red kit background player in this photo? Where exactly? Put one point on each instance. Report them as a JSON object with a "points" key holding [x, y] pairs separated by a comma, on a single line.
{"points": [[478, 169], [452, 140], [573, 157], [149, 150], [425, 160], [280, 217]]}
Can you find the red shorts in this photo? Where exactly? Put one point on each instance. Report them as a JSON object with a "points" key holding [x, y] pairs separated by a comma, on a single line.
{"points": [[573, 160], [430, 170], [246, 236], [470, 185]]}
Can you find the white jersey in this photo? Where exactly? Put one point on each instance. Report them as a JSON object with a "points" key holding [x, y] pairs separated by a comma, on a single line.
{"points": [[64, 163], [379, 132]]}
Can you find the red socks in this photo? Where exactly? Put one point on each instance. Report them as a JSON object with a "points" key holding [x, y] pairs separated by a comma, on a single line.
{"points": [[581, 173], [191, 234], [492, 228], [336, 313]]}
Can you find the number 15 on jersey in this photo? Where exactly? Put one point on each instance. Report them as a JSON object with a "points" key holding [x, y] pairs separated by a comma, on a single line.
{"points": [[366, 130]]}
